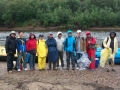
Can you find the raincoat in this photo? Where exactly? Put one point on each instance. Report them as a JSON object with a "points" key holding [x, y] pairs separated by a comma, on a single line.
{"points": [[42, 51], [90, 48], [106, 54], [52, 50]]}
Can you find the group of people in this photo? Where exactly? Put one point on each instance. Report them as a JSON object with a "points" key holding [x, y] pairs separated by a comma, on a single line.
{"points": [[53, 49]]}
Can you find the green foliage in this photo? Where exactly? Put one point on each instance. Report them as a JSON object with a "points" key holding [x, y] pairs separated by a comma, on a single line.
{"points": [[63, 13]]}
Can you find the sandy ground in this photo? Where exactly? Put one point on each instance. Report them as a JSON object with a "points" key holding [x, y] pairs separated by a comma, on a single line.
{"points": [[59, 79]]}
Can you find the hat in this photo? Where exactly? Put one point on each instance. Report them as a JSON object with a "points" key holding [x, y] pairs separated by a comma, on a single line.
{"points": [[31, 34], [41, 35], [50, 33], [78, 31], [12, 32], [59, 33], [69, 31], [88, 32]]}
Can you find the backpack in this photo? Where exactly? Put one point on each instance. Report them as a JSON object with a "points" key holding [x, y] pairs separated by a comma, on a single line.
{"points": [[106, 42]]}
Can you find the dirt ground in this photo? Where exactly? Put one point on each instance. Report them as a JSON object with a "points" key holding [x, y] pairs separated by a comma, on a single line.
{"points": [[59, 79]]}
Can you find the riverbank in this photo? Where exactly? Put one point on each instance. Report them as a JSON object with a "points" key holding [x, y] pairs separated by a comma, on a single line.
{"points": [[29, 28], [59, 79]]}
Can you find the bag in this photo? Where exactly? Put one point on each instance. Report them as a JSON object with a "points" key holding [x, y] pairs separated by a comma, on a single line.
{"points": [[106, 42], [27, 57], [84, 61]]}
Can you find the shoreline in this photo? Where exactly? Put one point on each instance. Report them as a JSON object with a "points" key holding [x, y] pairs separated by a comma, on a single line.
{"points": [[29, 28]]}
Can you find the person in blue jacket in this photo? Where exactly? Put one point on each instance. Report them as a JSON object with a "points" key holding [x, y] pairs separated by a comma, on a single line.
{"points": [[52, 51], [69, 46], [21, 49]]}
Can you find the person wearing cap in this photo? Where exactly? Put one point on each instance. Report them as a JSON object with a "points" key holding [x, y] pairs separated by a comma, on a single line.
{"points": [[69, 47], [60, 48], [21, 51], [31, 49], [111, 42], [91, 49], [52, 51], [42, 51], [10, 47], [80, 45]]}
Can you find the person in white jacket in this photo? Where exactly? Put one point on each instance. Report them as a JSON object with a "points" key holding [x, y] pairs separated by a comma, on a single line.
{"points": [[60, 47]]}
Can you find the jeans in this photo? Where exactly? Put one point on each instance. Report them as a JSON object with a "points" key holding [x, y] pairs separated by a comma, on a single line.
{"points": [[70, 55], [23, 57], [60, 55], [32, 61], [10, 59]]}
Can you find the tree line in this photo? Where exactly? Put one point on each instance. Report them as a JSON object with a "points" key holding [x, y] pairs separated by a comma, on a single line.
{"points": [[63, 13]]}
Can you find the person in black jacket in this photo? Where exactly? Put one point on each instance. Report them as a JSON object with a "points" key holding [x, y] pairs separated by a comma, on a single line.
{"points": [[10, 47]]}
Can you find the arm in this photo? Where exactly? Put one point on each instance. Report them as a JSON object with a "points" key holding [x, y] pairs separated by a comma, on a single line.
{"points": [[74, 45], [93, 41], [116, 46], [7, 45], [17, 45], [104, 42], [84, 44], [27, 46]]}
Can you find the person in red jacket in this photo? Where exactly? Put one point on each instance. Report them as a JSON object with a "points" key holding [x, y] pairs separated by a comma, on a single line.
{"points": [[31, 49], [91, 49]]}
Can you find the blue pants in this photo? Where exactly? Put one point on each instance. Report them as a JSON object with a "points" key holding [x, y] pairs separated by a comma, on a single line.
{"points": [[32, 61]]}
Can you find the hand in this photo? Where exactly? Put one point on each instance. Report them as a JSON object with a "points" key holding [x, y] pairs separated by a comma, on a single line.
{"points": [[107, 47], [20, 51]]}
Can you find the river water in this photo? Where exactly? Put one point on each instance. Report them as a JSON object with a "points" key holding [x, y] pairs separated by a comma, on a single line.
{"points": [[99, 35]]}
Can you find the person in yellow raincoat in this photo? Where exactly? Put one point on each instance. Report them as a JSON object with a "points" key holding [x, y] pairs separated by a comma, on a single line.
{"points": [[42, 51], [111, 42]]}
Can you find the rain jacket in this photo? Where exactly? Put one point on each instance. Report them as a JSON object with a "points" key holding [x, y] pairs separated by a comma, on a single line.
{"points": [[52, 50], [90, 48], [21, 44], [115, 45], [70, 43], [31, 45], [10, 45], [42, 49]]}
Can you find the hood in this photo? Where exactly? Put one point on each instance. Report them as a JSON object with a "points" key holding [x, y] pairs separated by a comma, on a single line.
{"points": [[58, 33], [31, 35], [69, 31], [88, 32], [112, 31]]}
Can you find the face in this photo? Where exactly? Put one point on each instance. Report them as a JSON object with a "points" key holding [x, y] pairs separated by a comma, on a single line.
{"points": [[88, 35], [50, 35], [60, 35], [41, 38], [78, 34], [32, 36], [112, 35], [69, 34], [21, 34], [13, 35]]}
